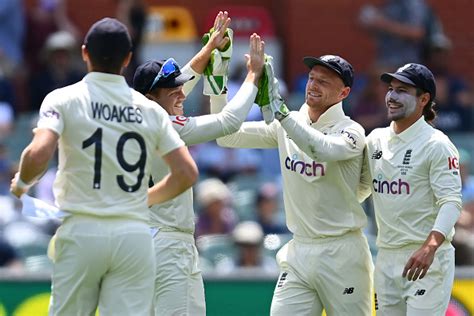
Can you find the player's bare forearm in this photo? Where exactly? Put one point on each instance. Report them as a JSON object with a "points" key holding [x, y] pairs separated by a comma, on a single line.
{"points": [[34, 160], [419, 263], [36, 156]]}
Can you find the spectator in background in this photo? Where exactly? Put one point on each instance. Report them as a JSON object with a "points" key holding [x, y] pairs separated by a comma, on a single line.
{"points": [[399, 29], [248, 240], [12, 26], [267, 208], [9, 257], [6, 107], [44, 19], [59, 67], [366, 106], [6, 171], [226, 163], [215, 215], [454, 99], [133, 14], [464, 238]]}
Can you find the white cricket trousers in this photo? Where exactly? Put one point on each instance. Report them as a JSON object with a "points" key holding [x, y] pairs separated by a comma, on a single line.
{"points": [[179, 288], [102, 262], [396, 296], [333, 273]]}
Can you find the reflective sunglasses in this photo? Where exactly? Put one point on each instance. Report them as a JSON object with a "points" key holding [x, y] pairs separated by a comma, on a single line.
{"points": [[169, 67]]}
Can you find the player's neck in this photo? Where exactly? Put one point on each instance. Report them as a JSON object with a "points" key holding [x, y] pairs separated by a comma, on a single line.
{"points": [[401, 125], [315, 113]]}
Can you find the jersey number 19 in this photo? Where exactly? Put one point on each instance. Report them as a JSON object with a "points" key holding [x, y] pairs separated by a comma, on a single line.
{"points": [[96, 139]]}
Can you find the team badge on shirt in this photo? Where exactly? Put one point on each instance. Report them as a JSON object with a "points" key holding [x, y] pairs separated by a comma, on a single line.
{"points": [[407, 157]]}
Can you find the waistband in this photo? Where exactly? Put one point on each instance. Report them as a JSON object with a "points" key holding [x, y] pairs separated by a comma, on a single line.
{"points": [[414, 246], [83, 218], [328, 239], [187, 237]]}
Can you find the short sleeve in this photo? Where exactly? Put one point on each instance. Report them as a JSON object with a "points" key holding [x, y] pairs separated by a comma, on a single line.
{"points": [[51, 114], [169, 139]]}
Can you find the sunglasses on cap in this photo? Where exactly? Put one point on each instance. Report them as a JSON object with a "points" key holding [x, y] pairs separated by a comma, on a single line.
{"points": [[169, 67]]}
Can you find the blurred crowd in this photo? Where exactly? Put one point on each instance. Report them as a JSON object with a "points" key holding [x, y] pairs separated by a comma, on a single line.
{"points": [[240, 219]]}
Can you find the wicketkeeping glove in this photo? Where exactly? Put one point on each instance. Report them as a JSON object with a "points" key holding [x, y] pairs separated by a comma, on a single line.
{"points": [[216, 71], [268, 96]]}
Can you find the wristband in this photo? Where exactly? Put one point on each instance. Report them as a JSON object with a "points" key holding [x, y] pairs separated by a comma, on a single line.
{"points": [[22, 185]]}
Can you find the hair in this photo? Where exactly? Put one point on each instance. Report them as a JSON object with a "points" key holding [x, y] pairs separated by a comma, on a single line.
{"points": [[428, 110], [110, 64]]}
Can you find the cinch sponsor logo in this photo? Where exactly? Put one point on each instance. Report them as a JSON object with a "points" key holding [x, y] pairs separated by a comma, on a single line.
{"points": [[50, 113], [350, 137], [309, 169], [394, 187]]}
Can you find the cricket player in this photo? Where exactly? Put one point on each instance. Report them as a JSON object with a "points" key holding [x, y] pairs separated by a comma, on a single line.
{"points": [[327, 265], [108, 134], [413, 175], [179, 286]]}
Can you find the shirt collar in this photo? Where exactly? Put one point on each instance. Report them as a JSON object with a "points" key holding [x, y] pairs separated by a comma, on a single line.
{"points": [[411, 132], [332, 115], [102, 76]]}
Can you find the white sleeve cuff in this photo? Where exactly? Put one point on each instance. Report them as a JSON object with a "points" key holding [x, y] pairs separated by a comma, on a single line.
{"points": [[447, 217]]}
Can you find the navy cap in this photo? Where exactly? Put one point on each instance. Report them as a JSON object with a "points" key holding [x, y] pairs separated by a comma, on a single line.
{"points": [[336, 63], [416, 75], [108, 38], [146, 73]]}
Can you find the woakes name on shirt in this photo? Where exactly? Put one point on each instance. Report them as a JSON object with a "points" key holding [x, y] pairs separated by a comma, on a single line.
{"points": [[128, 114]]}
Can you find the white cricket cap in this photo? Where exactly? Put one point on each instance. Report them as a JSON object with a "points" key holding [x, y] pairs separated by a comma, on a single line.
{"points": [[60, 40], [248, 232], [211, 190]]}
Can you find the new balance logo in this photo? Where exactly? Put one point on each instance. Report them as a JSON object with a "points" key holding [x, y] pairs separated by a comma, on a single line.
{"points": [[348, 290], [406, 159], [420, 292], [377, 154], [282, 279]]}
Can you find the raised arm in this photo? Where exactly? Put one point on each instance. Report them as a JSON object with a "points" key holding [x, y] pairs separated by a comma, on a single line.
{"points": [[348, 143], [217, 39], [209, 127]]}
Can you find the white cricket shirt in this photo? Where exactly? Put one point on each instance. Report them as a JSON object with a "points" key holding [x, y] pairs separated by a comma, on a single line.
{"points": [[109, 135], [411, 175], [320, 183], [177, 214]]}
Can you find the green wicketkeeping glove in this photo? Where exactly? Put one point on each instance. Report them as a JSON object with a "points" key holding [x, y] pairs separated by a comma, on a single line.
{"points": [[216, 71], [268, 96]]}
